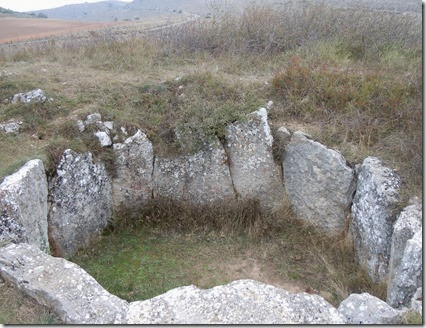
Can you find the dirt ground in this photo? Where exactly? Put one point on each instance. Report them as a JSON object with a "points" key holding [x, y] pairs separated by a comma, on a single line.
{"points": [[22, 29]]}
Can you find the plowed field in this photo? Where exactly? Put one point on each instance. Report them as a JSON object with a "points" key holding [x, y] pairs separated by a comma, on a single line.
{"points": [[21, 29]]}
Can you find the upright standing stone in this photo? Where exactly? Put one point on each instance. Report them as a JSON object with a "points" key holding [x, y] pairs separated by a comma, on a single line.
{"points": [[408, 223], [80, 202], [202, 178], [253, 170], [319, 183], [132, 185], [23, 201], [374, 211], [408, 278]]}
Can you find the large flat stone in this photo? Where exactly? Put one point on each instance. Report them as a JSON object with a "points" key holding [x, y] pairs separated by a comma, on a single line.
{"points": [[133, 183], [23, 201], [254, 172], [318, 182], [408, 223], [409, 275], [240, 302], [374, 211], [61, 285], [80, 203], [202, 178]]}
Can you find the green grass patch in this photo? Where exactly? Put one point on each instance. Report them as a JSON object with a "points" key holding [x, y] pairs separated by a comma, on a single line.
{"points": [[18, 309], [145, 257]]}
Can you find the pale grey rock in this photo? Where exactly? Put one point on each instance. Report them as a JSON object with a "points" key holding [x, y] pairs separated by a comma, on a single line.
{"points": [[60, 285], [35, 95], [201, 178], [132, 186], [417, 301], [374, 211], [270, 105], [409, 275], [80, 202], [23, 201], [253, 170], [408, 223], [283, 136], [93, 118], [80, 125], [240, 302], [123, 130], [11, 126], [103, 138], [368, 310], [109, 125], [318, 182]]}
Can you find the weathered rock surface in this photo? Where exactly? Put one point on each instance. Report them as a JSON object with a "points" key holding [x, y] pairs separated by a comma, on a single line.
{"points": [[253, 171], [408, 223], [283, 137], [61, 285], [132, 185], [374, 211], [81, 202], [103, 138], [367, 309], [240, 302], [11, 126], [92, 118], [318, 182], [35, 95], [417, 301], [409, 275], [202, 178], [23, 201]]}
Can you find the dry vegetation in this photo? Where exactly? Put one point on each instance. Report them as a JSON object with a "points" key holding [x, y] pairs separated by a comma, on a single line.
{"points": [[350, 78]]}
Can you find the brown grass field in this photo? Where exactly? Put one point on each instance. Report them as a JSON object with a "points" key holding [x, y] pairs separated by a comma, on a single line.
{"points": [[13, 29]]}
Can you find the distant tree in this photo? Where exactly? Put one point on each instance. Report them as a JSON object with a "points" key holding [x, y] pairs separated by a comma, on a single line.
{"points": [[41, 15], [115, 19], [33, 14], [137, 18], [127, 20]]}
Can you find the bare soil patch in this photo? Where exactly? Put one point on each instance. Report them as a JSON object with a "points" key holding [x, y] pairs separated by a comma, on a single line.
{"points": [[22, 29]]}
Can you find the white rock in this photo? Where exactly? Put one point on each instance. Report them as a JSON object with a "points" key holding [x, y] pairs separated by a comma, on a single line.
{"points": [[132, 185], [253, 170], [243, 302], [60, 285], [408, 223], [409, 275], [368, 310], [11, 126], [35, 95], [93, 118], [201, 178], [109, 125], [374, 211], [23, 200], [81, 202], [103, 138], [318, 182], [80, 125]]}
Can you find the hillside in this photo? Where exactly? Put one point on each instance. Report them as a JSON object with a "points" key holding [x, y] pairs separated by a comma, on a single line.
{"points": [[116, 10]]}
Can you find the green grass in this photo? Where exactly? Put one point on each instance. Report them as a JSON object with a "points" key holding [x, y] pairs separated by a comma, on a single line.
{"points": [[18, 309], [150, 254]]}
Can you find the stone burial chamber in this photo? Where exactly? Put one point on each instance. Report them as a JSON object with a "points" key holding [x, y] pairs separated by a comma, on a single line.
{"points": [[59, 215]]}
